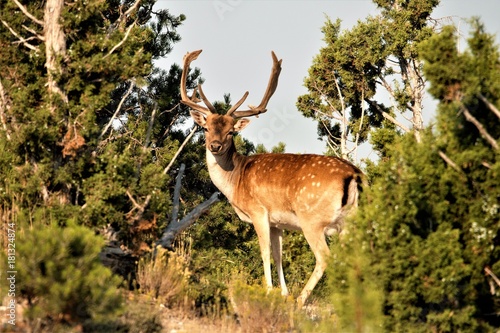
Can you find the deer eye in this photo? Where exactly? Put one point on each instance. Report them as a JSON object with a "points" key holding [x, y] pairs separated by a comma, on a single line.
{"points": [[205, 129], [230, 133]]}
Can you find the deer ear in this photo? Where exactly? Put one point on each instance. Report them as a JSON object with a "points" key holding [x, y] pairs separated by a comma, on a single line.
{"points": [[199, 118], [241, 124]]}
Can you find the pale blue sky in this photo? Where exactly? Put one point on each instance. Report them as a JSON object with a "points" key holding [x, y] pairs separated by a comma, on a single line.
{"points": [[237, 37]]}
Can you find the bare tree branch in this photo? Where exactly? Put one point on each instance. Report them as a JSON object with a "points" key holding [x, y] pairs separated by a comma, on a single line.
{"points": [[389, 117], [33, 31], [55, 48], [121, 42], [4, 106], [117, 110], [177, 194], [449, 161], [136, 205], [173, 229], [484, 133], [343, 135], [132, 8], [494, 277], [490, 105], [21, 39], [186, 140], [150, 126], [27, 13], [140, 208], [360, 124]]}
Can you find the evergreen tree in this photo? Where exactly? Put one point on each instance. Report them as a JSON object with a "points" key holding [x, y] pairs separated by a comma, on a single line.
{"points": [[378, 53], [88, 127], [62, 277], [87, 121], [427, 234]]}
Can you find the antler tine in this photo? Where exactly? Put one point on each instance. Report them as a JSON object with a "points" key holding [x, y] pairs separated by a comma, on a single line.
{"points": [[188, 58], [205, 100], [238, 104], [271, 88]]}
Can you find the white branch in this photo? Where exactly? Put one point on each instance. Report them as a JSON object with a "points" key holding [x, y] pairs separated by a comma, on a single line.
{"points": [[121, 42], [42, 38], [27, 13], [179, 150], [360, 124], [4, 106], [21, 39], [117, 109], [132, 8], [389, 117], [484, 133], [449, 161], [150, 126], [490, 105]]}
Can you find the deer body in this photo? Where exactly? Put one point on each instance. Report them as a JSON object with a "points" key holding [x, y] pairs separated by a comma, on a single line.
{"points": [[309, 193], [286, 186]]}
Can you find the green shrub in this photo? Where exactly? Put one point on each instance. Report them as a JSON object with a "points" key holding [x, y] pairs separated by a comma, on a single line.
{"points": [[259, 310], [61, 277]]}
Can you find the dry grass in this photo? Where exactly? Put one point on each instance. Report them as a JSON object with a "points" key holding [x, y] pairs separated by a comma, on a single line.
{"points": [[258, 310], [165, 278]]}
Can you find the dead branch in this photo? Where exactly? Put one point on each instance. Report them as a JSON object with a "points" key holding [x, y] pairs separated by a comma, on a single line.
{"points": [[108, 125], [150, 126], [343, 135], [389, 117], [55, 48], [484, 133], [494, 277], [177, 195], [121, 42], [27, 13], [449, 161], [175, 228], [4, 107], [21, 39], [186, 140], [132, 8], [134, 202], [490, 105], [33, 31], [360, 124], [140, 208]]}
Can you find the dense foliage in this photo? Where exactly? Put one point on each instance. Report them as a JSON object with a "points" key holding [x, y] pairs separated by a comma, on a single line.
{"points": [[62, 274], [426, 237], [89, 128], [363, 78]]}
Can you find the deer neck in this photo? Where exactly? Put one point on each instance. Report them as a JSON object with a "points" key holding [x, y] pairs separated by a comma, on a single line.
{"points": [[223, 170]]}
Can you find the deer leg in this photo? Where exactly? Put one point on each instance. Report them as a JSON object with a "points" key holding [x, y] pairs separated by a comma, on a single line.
{"points": [[276, 246], [317, 242], [262, 228]]}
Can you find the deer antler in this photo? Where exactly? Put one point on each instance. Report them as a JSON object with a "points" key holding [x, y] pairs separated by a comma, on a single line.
{"points": [[271, 88], [192, 101]]}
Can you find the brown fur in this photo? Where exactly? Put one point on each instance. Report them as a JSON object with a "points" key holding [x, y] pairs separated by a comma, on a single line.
{"points": [[310, 193]]}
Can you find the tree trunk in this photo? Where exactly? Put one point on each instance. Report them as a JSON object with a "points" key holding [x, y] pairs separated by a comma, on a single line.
{"points": [[55, 46]]}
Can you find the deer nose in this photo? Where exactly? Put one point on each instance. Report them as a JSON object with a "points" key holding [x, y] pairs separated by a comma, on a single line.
{"points": [[215, 146]]}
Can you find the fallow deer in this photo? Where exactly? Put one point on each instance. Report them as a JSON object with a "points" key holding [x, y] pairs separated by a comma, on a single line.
{"points": [[310, 193]]}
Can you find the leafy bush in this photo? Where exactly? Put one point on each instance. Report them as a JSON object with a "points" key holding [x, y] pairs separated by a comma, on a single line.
{"points": [[423, 244], [61, 277], [259, 310]]}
